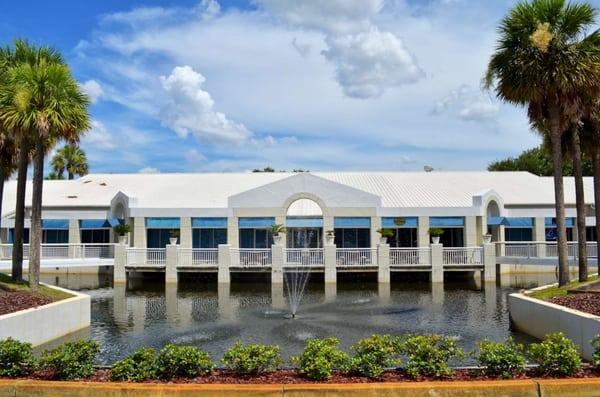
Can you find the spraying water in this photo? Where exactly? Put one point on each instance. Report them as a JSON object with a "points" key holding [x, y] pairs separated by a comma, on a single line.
{"points": [[297, 270]]}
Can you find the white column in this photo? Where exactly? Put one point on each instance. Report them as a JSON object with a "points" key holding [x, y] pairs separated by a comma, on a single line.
{"points": [[120, 302], [481, 228], [327, 225], [277, 264], [470, 231], [74, 239], [119, 274], [224, 301], [423, 231], [185, 232], [233, 237], [384, 292], [139, 232], [330, 292], [489, 263], [383, 262], [437, 293], [437, 265], [224, 258], [277, 298], [375, 225], [171, 269], [330, 264], [539, 234]]}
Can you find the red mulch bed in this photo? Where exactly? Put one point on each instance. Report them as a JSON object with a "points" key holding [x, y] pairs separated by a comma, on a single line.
{"points": [[12, 301], [291, 376], [589, 303]]}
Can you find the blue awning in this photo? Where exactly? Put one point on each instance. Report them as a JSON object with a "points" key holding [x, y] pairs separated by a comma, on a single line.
{"points": [[255, 223], [99, 223], [114, 222], [55, 224], [391, 223], [551, 222], [520, 222], [351, 223], [209, 223], [304, 222], [497, 221], [162, 223], [447, 221]]}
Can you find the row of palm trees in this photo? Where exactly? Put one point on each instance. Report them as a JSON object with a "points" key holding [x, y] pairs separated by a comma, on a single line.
{"points": [[548, 60], [70, 158], [41, 104]]}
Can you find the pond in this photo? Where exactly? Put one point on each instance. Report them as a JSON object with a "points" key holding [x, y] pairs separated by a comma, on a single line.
{"points": [[212, 317]]}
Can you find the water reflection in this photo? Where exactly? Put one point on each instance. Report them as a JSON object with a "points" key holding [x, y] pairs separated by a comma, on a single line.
{"points": [[213, 317]]}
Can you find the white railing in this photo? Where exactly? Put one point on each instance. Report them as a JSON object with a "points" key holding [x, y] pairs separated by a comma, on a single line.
{"points": [[197, 257], [64, 251], [540, 249], [304, 257], [251, 257], [356, 257], [410, 256], [146, 257], [462, 256]]}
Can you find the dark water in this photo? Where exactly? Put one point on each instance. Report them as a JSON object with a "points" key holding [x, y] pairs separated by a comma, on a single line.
{"points": [[200, 313]]}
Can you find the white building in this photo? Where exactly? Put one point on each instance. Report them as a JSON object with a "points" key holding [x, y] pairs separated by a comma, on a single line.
{"points": [[210, 209]]}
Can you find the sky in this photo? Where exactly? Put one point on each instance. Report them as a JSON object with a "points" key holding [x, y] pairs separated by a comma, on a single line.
{"points": [[233, 85]]}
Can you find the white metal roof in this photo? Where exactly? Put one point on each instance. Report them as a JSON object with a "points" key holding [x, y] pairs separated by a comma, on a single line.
{"points": [[211, 190]]}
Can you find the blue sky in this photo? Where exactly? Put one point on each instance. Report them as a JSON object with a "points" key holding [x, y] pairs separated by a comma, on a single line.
{"points": [[217, 85]]}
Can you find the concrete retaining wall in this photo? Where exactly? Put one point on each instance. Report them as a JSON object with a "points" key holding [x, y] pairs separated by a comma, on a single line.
{"points": [[539, 318], [45, 323]]}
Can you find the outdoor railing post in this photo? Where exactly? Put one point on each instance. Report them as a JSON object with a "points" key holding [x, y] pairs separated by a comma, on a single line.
{"points": [[277, 264], [224, 261], [330, 263], [437, 263], [383, 261], [171, 268], [489, 263], [119, 274]]}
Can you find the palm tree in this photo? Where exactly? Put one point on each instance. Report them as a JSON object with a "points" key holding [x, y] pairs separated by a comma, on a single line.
{"points": [[48, 105], [71, 158], [8, 162], [590, 135], [543, 61]]}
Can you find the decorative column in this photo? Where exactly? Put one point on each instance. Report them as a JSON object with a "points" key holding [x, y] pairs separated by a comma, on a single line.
{"points": [[329, 256], [327, 225], [539, 234], [489, 263], [171, 269], [423, 231], [277, 264], [375, 225], [383, 263], [233, 238], [437, 263], [119, 273], [139, 232], [74, 239], [224, 259], [185, 232], [471, 231]]}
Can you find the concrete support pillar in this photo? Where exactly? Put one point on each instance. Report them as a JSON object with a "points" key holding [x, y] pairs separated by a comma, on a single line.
{"points": [[539, 234], [119, 273], [481, 228], [185, 232], [233, 236], [120, 303], [224, 300], [172, 254], [330, 264], [224, 258], [383, 262], [437, 293], [489, 263], [471, 231], [384, 292], [490, 296], [277, 298], [139, 232], [327, 225], [277, 264], [437, 264], [375, 225], [74, 239], [423, 231], [330, 292]]}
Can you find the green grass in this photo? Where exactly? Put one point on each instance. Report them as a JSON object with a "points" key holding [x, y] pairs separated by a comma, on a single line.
{"points": [[56, 295], [555, 291]]}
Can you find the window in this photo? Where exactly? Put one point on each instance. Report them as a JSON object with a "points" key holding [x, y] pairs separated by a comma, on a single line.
{"points": [[255, 238], [309, 237], [158, 238], [11, 233], [352, 238], [518, 234], [403, 237], [208, 238], [55, 236], [590, 233], [452, 237], [95, 236]]}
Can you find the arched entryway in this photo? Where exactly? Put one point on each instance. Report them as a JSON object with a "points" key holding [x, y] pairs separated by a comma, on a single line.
{"points": [[304, 224]]}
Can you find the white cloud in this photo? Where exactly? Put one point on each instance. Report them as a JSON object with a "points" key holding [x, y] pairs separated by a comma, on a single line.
{"points": [[208, 9], [368, 63], [303, 49], [149, 170], [93, 89], [330, 16], [193, 156], [99, 137], [191, 109], [468, 104]]}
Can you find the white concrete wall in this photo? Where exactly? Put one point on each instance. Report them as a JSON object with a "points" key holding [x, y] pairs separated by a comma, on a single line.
{"points": [[539, 318], [185, 232], [139, 232], [423, 231], [45, 323]]}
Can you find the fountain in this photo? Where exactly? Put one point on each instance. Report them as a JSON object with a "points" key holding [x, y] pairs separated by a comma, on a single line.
{"points": [[297, 273]]}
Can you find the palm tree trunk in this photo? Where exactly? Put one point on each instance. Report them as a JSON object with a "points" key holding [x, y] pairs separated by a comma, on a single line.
{"points": [[580, 204], [596, 164], [559, 195], [2, 179], [17, 253], [36, 216], [71, 176]]}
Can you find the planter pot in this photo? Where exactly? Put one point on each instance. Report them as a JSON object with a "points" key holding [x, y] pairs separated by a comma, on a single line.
{"points": [[123, 239], [329, 240], [173, 240], [487, 238], [383, 240], [277, 239], [436, 239]]}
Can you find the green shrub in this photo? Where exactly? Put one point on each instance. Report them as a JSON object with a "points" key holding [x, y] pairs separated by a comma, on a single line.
{"points": [[321, 357], [505, 360], [252, 358], [175, 361], [16, 358], [72, 360], [139, 366], [429, 355], [556, 355], [596, 355], [374, 354]]}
